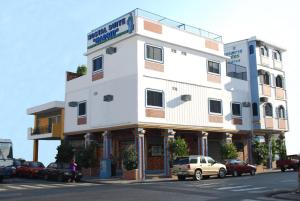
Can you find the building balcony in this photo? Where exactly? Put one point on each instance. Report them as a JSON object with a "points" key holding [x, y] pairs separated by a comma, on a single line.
{"points": [[279, 93], [54, 132], [266, 90], [265, 61], [277, 64]]}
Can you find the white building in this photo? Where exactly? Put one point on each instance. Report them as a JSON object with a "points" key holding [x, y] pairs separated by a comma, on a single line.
{"points": [[150, 78]]}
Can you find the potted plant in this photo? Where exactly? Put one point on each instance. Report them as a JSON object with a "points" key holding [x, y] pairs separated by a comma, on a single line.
{"points": [[130, 171], [260, 155], [229, 151]]}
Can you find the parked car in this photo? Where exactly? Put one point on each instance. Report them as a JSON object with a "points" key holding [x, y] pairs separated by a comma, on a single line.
{"points": [[236, 167], [287, 164], [30, 169], [60, 172], [198, 167]]}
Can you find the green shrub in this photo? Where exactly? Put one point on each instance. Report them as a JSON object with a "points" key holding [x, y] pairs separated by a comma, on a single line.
{"points": [[81, 70], [229, 151], [260, 152], [130, 158], [86, 157]]}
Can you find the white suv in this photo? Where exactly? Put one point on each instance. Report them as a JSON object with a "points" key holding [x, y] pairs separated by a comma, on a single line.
{"points": [[197, 166]]}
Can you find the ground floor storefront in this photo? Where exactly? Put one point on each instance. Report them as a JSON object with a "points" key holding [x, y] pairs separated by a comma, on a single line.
{"points": [[152, 147]]}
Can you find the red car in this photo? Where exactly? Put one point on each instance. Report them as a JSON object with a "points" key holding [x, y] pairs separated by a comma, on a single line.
{"points": [[237, 168], [30, 169]]}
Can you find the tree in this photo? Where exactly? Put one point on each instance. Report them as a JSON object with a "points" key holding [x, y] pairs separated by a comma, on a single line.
{"points": [[86, 157], [65, 152], [130, 158], [260, 152], [81, 70], [229, 151], [281, 148], [178, 147]]}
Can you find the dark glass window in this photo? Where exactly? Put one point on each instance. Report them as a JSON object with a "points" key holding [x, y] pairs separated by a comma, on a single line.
{"points": [[266, 78], [251, 49], [154, 53], [213, 67], [281, 112], [193, 160], [268, 110], [97, 64], [236, 71], [279, 81], [254, 109], [215, 106], [154, 98], [82, 109], [236, 109]]}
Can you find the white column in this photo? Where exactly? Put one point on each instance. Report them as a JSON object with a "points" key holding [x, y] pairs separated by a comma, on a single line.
{"points": [[169, 135], [87, 139], [228, 139], [204, 144], [140, 140]]}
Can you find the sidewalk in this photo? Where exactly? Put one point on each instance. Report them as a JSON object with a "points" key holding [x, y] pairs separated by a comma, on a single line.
{"points": [[149, 178], [288, 195], [119, 180]]}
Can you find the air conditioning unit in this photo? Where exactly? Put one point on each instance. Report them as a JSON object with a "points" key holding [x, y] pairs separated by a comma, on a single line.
{"points": [[108, 98], [186, 97], [73, 104], [263, 99], [261, 72], [246, 104], [111, 50]]}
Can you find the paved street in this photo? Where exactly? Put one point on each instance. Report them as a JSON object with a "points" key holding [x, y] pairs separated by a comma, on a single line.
{"points": [[246, 188]]}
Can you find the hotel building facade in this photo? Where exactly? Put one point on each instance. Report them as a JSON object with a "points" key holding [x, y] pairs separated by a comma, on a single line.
{"points": [[150, 79]]}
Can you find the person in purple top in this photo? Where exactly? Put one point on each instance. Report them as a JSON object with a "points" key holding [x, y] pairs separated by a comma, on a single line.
{"points": [[73, 168]]}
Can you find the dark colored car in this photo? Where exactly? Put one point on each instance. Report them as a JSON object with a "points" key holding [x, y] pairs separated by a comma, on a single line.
{"points": [[237, 168], [60, 172], [30, 169], [1, 173], [288, 163]]}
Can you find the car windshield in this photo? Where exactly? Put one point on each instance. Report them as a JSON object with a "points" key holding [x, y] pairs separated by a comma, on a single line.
{"points": [[63, 166], [36, 164]]}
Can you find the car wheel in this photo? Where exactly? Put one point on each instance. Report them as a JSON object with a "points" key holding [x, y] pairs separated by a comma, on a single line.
{"points": [[46, 177], [235, 173], [198, 175], [282, 169], [252, 172], [222, 173], [179, 177], [60, 178]]}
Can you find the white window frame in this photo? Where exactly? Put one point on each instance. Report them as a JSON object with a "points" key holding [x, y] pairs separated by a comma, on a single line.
{"points": [[241, 113], [207, 67], [100, 70], [148, 59], [153, 106], [266, 53], [213, 113], [85, 109]]}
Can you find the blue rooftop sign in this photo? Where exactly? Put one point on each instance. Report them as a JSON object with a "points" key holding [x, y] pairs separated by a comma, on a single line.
{"points": [[120, 26]]}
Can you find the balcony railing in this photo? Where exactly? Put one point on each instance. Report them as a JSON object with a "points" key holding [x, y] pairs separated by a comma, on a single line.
{"points": [[55, 129], [178, 25]]}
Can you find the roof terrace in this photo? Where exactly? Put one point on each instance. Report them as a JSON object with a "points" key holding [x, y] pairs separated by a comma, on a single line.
{"points": [[178, 25]]}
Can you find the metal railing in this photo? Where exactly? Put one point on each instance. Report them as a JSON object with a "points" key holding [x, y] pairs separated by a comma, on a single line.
{"points": [[178, 25]]}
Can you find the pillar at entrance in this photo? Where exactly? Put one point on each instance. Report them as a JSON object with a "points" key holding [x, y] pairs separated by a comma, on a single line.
{"points": [[228, 138], [168, 135], [140, 143], [35, 150], [106, 144], [268, 140], [87, 139], [202, 144]]}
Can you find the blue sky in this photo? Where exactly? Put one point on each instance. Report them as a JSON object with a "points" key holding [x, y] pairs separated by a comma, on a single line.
{"points": [[41, 40]]}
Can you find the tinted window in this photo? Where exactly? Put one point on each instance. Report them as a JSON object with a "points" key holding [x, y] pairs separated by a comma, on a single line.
{"points": [[213, 67], [254, 109], [215, 106], [154, 98], [36, 164], [202, 160], [97, 64], [251, 49], [193, 160], [236, 109], [82, 109], [154, 53], [181, 161]]}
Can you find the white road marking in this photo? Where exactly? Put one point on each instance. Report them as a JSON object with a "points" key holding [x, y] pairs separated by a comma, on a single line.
{"points": [[208, 184], [232, 187], [30, 186], [3, 189], [46, 186], [257, 192], [247, 189], [15, 187]]}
